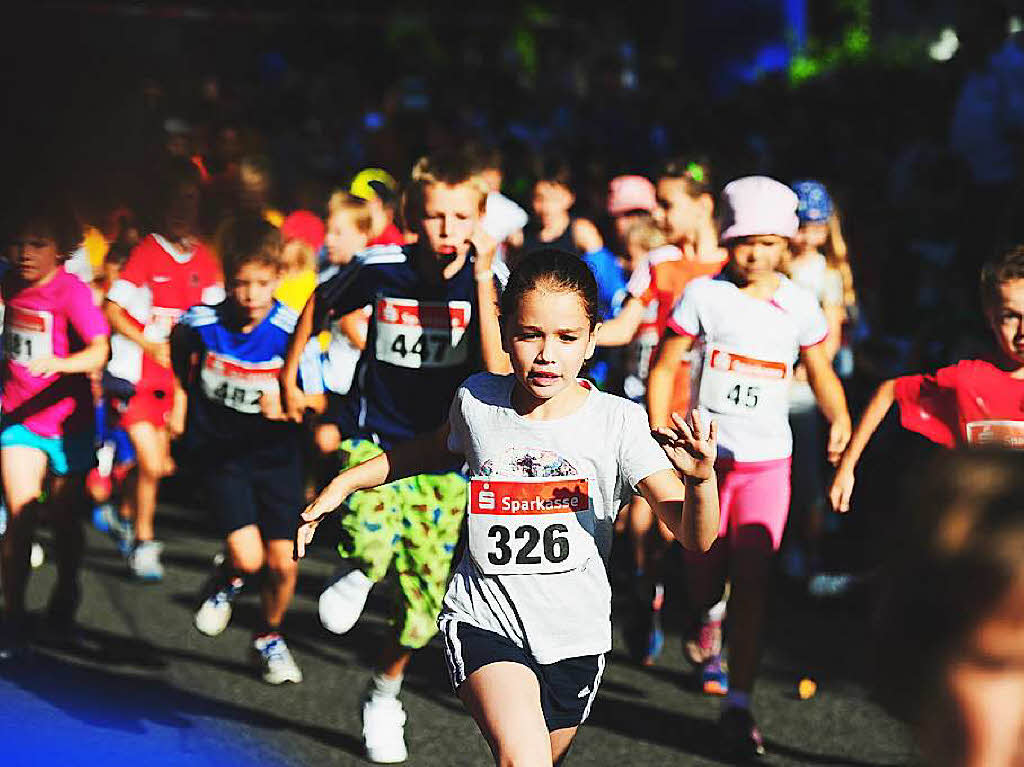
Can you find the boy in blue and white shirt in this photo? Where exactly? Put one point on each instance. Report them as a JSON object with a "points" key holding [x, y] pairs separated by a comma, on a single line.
{"points": [[228, 358]]}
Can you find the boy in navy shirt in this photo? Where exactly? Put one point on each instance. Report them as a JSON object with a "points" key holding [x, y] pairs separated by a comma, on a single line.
{"points": [[434, 323], [228, 358]]}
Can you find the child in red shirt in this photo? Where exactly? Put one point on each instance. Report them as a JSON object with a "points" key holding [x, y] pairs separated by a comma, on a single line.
{"points": [[972, 403], [167, 273]]}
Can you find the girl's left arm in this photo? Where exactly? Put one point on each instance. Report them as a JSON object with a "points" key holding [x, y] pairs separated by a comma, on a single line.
{"points": [[831, 399], [688, 507]]}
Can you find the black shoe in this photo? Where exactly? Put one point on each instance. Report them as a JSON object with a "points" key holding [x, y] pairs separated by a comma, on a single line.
{"points": [[14, 646], [643, 634], [739, 734]]}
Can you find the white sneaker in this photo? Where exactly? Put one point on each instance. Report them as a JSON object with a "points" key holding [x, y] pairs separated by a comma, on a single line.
{"points": [[342, 602], [276, 660], [37, 557], [384, 730], [214, 613], [144, 561]]}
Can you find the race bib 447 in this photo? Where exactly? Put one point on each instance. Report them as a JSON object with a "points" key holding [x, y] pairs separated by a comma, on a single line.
{"points": [[523, 526], [422, 334]]}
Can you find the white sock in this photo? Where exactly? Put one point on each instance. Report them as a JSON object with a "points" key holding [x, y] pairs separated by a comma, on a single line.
{"points": [[737, 699], [385, 687]]}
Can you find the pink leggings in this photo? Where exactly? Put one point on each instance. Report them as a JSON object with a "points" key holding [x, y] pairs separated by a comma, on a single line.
{"points": [[754, 498]]}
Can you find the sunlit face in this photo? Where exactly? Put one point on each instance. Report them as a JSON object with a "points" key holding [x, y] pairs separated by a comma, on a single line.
{"points": [[811, 237], [343, 238], [551, 200], [548, 340], [182, 214], [1007, 320], [35, 257], [979, 719], [253, 187], [252, 289], [754, 259], [450, 216], [679, 214]]}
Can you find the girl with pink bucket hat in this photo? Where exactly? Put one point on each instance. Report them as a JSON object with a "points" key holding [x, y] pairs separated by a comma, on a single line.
{"points": [[751, 323]]}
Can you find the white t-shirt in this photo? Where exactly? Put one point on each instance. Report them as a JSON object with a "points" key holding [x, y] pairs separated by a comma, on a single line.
{"points": [[566, 479], [748, 347], [813, 273]]}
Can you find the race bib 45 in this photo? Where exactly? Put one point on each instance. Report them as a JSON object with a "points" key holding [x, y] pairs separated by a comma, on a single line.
{"points": [[422, 334], [741, 385], [524, 526]]}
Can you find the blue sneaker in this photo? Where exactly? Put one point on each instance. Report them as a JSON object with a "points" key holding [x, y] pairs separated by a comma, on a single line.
{"points": [[714, 678]]}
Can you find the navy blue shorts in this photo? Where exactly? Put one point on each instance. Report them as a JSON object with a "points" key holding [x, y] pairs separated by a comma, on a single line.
{"points": [[253, 491], [567, 688]]}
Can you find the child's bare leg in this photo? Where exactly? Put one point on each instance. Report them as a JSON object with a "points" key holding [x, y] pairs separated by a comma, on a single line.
{"points": [[504, 700], [23, 470]]}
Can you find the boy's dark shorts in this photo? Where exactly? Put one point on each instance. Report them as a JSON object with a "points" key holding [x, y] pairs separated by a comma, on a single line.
{"points": [[252, 490]]}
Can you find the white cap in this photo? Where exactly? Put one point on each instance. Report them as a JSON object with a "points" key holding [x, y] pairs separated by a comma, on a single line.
{"points": [[756, 205]]}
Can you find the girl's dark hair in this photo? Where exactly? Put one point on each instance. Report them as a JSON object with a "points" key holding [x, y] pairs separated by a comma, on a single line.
{"points": [[46, 213], [695, 171], [555, 270], [555, 170]]}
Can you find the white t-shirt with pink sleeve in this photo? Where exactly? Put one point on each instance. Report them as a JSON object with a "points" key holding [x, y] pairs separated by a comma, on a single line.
{"points": [[55, 319], [748, 347]]}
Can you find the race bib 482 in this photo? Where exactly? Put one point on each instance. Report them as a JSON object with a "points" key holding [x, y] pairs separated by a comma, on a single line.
{"points": [[241, 386], [422, 334], [523, 526]]}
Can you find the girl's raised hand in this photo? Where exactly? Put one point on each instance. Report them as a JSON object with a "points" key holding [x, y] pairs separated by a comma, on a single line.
{"points": [[690, 447], [329, 499]]}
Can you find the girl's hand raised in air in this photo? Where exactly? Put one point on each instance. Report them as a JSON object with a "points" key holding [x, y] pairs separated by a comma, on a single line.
{"points": [[690, 447], [330, 498]]}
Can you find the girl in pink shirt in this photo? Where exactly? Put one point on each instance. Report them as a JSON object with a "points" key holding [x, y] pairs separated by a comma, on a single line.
{"points": [[53, 337]]}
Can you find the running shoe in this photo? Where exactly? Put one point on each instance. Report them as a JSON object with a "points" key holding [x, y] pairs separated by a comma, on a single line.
{"points": [[342, 602], [144, 561], [13, 646], [36, 556], [739, 734], [214, 613], [275, 660], [714, 677], [384, 730], [106, 519], [705, 642]]}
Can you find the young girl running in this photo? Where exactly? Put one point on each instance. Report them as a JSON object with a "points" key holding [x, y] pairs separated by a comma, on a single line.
{"points": [[972, 403], [53, 336], [753, 323], [526, 619]]}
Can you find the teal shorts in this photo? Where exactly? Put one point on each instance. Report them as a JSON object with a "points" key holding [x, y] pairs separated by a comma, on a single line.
{"points": [[70, 454]]}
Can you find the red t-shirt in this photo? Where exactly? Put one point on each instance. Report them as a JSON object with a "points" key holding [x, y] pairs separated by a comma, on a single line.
{"points": [[156, 286], [970, 403]]}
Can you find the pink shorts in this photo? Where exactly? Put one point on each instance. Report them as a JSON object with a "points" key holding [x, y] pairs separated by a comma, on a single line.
{"points": [[754, 498]]}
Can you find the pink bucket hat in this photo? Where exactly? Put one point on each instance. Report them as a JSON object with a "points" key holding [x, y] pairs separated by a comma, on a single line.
{"points": [[626, 193], [756, 205]]}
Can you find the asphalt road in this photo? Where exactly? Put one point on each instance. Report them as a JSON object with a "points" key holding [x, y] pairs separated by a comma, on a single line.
{"points": [[142, 684]]}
